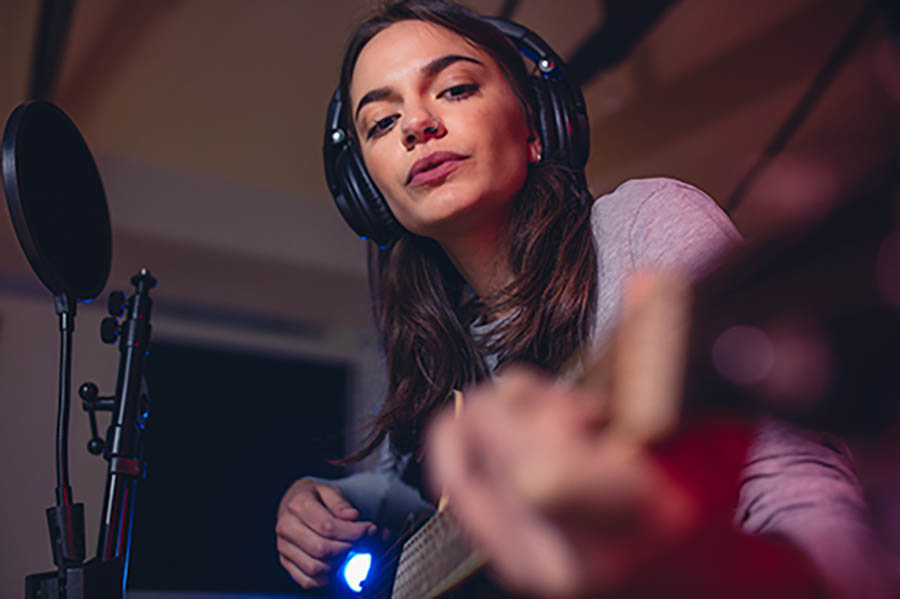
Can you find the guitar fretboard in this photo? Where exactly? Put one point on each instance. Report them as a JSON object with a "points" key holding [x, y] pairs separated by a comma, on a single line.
{"points": [[434, 560]]}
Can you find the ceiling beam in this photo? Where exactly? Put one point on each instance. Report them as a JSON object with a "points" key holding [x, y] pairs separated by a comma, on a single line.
{"points": [[49, 47], [508, 9], [625, 23], [664, 113], [125, 26]]}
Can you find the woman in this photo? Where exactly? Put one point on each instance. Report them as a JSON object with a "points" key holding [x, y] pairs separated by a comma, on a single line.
{"points": [[500, 260]]}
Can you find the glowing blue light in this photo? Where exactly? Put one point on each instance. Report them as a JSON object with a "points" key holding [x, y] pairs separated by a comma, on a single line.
{"points": [[356, 570]]}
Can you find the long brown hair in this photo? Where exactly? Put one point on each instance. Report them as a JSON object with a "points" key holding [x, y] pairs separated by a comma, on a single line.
{"points": [[423, 308]]}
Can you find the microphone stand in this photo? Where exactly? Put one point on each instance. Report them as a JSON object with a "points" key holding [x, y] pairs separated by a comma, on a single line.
{"points": [[125, 437], [103, 577]]}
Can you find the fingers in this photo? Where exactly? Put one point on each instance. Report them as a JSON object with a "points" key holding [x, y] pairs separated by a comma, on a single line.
{"points": [[524, 552], [305, 581], [649, 355], [307, 571], [513, 464], [336, 504], [535, 429], [315, 524], [310, 509], [306, 555], [524, 388], [299, 534]]}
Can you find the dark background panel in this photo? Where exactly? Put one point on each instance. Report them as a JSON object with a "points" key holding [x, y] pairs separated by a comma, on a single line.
{"points": [[228, 433]]}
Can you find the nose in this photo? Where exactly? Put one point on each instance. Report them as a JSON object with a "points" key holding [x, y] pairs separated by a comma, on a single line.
{"points": [[419, 126]]}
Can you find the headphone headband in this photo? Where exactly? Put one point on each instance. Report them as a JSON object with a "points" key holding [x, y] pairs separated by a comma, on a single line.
{"points": [[562, 124]]}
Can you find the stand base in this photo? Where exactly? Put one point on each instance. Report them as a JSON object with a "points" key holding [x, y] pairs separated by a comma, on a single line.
{"points": [[93, 580]]}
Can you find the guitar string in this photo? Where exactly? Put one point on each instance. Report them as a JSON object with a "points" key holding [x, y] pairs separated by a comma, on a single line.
{"points": [[395, 549], [428, 535], [422, 519]]}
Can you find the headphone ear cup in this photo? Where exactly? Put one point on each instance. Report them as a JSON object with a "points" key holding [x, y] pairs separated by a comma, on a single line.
{"points": [[563, 129], [355, 194], [363, 206], [577, 129], [545, 120]]}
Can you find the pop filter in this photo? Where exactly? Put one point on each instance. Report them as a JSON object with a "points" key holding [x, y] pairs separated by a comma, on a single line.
{"points": [[56, 201]]}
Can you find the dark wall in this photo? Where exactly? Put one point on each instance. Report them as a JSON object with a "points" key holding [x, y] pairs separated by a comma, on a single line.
{"points": [[228, 433]]}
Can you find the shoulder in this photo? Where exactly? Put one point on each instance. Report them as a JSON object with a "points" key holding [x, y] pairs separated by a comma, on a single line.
{"points": [[662, 201], [662, 222], [629, 197], [801, 484]]}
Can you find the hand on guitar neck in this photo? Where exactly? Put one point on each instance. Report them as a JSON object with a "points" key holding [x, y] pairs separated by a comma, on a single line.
{"points": [[586, 490], [558, 506]]}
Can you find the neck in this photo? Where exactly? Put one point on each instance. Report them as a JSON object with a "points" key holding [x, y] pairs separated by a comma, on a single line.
{"points": [[481, 258]]}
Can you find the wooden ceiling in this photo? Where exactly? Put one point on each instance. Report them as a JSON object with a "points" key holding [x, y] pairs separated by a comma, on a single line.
{"points": [[206, 116]]}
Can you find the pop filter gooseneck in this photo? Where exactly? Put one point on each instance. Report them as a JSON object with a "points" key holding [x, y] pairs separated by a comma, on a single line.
{"points": [[58, 209]]}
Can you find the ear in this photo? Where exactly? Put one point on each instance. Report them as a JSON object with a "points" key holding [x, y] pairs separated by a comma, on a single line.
{"points": [[535, 151]]}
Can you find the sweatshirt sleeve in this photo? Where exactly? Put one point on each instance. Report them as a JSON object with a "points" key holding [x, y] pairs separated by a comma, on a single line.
{"points": [[801, 485], [382, 496]]}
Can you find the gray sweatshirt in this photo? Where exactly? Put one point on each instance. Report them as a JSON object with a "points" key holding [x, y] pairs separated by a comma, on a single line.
{"points": [[796, 483]]}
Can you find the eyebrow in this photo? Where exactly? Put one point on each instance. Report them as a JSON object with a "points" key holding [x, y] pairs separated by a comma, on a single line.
{"points": [[429, 71]]}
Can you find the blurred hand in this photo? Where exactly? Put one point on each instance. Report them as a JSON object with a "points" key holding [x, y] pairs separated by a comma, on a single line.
{"points": [[559, 506], [314, 525]]}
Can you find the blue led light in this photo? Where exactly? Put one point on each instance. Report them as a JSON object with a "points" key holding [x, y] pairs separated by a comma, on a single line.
{"points": [[356, 570]]}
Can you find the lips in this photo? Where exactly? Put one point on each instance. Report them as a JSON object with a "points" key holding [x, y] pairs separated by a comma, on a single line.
{"points": [[433, 167]]}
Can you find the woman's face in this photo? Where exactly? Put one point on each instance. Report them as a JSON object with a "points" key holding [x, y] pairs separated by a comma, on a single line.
{"points": [[442, 133]]}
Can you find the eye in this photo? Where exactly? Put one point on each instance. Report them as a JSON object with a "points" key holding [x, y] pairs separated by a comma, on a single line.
{"points": [[459, 92], [381, 126]]}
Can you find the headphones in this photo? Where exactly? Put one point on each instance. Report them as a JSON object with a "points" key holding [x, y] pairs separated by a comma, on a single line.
{"points": [[560, 120]]}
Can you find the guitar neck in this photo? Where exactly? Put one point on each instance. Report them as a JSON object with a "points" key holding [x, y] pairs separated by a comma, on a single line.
{"points": [[434, 560]]}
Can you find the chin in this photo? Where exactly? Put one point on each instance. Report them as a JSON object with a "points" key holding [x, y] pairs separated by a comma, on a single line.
{"points": [[454, 207], [440, 209]]}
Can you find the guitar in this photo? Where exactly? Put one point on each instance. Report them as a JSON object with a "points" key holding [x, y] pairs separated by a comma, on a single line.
{"points": [[437, 559], [839, 277]]}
